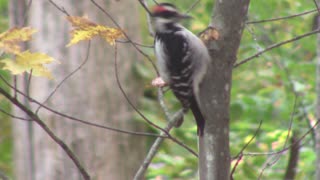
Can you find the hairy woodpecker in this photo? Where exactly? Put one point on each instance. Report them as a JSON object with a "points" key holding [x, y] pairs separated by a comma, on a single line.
{"points": [[182, 58]]}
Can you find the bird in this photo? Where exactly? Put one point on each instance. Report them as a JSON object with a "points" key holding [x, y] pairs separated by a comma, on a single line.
{"points": [[182, 59]]}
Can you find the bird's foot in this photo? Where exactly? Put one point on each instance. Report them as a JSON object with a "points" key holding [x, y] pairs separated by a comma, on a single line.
{"points": [[158, 82]]}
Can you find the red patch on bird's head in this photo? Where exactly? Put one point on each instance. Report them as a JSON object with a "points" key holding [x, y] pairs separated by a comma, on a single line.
{"points": [[159, 9]]}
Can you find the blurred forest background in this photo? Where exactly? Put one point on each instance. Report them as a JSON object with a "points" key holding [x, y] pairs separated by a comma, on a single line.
{"points": [[265, 90]]}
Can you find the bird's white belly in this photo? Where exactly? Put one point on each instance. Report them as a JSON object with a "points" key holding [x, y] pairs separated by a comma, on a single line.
{"points": [[161, 61]]}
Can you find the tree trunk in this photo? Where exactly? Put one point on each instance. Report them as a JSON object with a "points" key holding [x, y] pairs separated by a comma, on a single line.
{"points": [[22, 131], [214, 157], [293, 158], [90, 94]]}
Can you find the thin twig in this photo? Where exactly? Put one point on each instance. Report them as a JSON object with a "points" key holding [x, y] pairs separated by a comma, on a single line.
{"points": [[80, 120], [282, 18], [126, 96], [15, 84], [240, 154], [154, 149], [284, 149], [149, 14], [139, 112], [296, 93], [138, 44], [125, 34], [156, 145], [236, 165], [26, 13], [28, 84], [3, 176], [275, 46], [36, 119], [61, 9], [145, 6], [271, 161], [317, 6], [169, 118], [192, 6], [13, 116], [68, 76]]}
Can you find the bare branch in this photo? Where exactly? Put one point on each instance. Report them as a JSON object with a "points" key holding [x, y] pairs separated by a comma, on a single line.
{"points": [[28, 82], [61, 9], [138, 44], [316, 4], [240, 154], [80, 120], [272, 160], [192, 6], [13, 116], [145, 6], [140, 113], [36, 119], [176, 117], [68, 76], [156, 145], [284, 149], [236, 165], [126, 96], [149, 14], [125, 34], [15, 94], [275, 46], [282, 18], [296, 93], [3, 176]]}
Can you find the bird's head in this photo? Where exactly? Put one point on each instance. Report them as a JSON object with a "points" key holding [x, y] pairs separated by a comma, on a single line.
{"points": [[167, 13]]}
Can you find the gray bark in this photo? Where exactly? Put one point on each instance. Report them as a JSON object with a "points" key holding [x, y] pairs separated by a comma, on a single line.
{"points": [[293, 158], [24, 162], [214, 155], [90, 94]]}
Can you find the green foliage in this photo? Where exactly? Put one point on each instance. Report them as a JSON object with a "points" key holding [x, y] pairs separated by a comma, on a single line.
{"points": [[6, 143], [261, 91], [3, 15]]}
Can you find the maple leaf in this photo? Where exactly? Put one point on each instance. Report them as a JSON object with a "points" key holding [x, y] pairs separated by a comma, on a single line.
{"points": [[11, 39], [84, 29], [26, 61]]}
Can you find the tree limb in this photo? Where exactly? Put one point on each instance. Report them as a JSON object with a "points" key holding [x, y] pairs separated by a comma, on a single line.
{"points": [[275, 46], [282, 18], [228, 18], [37, 120], [77, 119], [293, 158]]}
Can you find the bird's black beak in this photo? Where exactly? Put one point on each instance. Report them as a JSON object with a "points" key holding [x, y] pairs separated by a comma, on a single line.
{"points": [[184, 16]]}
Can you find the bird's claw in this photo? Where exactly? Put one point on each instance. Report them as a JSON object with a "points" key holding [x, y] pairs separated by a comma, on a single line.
{"points": [[158, 82]]}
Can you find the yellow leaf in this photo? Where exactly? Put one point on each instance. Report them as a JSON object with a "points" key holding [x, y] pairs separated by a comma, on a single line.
{"points": [[80, 22], [26, 61], [84, 29], [11, 39], [80, 35]]}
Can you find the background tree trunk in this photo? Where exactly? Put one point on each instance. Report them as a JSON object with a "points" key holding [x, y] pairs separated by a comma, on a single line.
{"points": [[214, 157], [293, 158], [90, 94]]}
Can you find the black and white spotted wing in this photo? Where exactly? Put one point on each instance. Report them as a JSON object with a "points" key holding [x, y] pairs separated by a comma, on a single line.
{"points": [[177, 65]]}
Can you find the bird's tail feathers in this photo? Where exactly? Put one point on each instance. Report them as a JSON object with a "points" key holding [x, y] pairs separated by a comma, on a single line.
{"points": [[198, 116]]}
